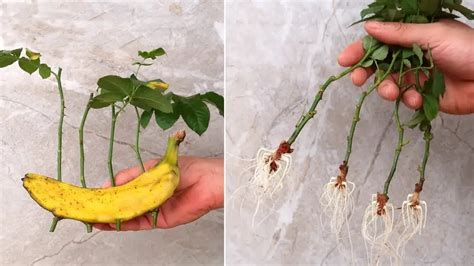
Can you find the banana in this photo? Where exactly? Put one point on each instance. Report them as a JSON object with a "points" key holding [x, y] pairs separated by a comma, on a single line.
{"points": [[107, 205]]}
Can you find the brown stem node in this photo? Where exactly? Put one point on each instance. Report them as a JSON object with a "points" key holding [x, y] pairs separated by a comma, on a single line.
{"points": [[382, 199], [284, 147]]}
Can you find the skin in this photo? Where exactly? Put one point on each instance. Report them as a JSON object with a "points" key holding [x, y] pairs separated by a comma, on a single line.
{"points": [[451, 43], [201, 189]]}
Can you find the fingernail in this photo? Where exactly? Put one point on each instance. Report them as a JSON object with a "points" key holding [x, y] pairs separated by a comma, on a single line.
{"points": [[373, 25]]}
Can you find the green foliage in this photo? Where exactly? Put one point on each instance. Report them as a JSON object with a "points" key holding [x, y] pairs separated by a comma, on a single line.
{"points": [[148, 99], [148, 96], [8, 57], [44, 71], [28, 65], [414, 11], [167, 120], [214, 99], [192, 109], [153, 54], [145, 118], [413, 59]]}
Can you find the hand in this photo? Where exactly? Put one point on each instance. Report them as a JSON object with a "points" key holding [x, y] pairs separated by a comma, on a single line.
{"points": [[200, 190], [452, 46]]}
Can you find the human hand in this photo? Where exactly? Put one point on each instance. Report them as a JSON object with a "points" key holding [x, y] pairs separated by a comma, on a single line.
{"points": [[452, 47], [200, 190]]}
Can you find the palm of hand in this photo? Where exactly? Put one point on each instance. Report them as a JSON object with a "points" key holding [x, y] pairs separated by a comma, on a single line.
{"points": [[199, 191]]}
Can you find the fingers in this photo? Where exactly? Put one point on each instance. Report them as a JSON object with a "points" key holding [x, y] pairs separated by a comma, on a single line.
{"points": [[405, 34], [412, 99], [351, 55], [360, 75], [388, 89]]}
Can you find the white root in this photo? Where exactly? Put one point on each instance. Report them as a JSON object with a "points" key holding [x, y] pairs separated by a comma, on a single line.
{"points": [[414, 213], [264, 183], [376, 230], [337, 204]]}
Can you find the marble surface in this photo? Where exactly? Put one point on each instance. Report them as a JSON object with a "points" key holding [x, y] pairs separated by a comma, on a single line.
{"points": [[278, 52], [90, 40]]}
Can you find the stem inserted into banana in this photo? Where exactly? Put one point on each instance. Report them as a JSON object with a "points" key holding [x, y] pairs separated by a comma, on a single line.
{"points": [[107, 205]]}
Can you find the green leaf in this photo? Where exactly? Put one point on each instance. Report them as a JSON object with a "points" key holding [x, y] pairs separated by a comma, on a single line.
{"points": [[416, 19], [406, 53], [430, 106], [407, 63], [145, 118], [416, 119], [44, 71], [379, 74], [367, 63], [369, 42], [7, 59], [214, 99], [153, 54], [106, 99], [147, 99], [194, 112], [409, 6], [371, 10], [438, 86], [167, 120], [29, 66], [419, 53], [428, 7], [16, 52], [381, 53], [116, 84]]}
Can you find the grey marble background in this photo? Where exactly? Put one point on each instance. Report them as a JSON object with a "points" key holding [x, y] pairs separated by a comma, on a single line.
{"points": [[90, 40], [278, 52]]}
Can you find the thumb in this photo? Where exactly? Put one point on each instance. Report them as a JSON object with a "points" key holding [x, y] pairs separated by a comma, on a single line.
{"points": [[405, 34]]}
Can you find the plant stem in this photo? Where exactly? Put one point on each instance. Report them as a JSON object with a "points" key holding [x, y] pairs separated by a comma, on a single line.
{"points": [[356, 117], [60, 138], [81, 142], [427, 136], [312, 110], [60, 124], [111, 151], [81, 150], [398, 148], [154, 213], [111, 145], [137, 141]]}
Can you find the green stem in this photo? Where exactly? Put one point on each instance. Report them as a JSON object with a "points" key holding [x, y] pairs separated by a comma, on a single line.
{"points": [[111, 151], [81, 142], [398, 148], [312, 110], [60, 137], [54, 223], [60, 124], [356, 117], [427, 136], [137, 141], [111, 145], [81, 150]]}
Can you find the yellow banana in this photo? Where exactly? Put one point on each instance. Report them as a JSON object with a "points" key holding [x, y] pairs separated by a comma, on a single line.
{"points": [[107, 205]]}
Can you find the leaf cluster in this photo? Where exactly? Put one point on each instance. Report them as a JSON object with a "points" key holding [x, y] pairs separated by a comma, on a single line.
{"points": [[413, 59], [30, 62], [151, 97], [414, 11]]}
